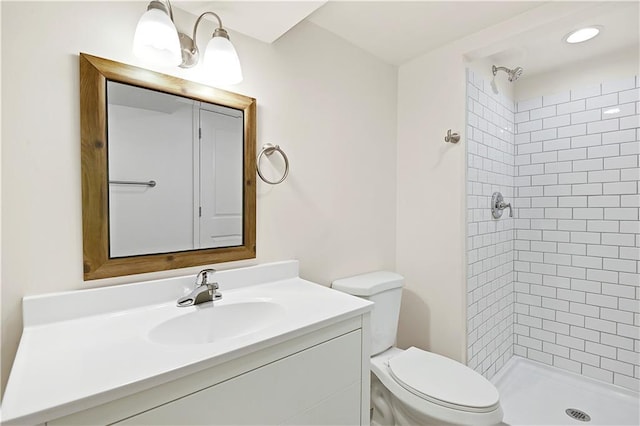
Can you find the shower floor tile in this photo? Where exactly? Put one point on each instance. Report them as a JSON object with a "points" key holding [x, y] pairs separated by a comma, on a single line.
{"points": [[536, 394]]}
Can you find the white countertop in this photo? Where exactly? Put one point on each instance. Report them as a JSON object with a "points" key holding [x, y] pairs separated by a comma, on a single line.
{"points": [[70, 360]]}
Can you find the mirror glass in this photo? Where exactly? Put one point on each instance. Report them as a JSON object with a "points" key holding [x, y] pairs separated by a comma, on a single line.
{"points": [[168, 171], [175, 172]]}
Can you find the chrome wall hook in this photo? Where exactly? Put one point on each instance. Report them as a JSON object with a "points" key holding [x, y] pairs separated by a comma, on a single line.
{"points": [[452, 137]]}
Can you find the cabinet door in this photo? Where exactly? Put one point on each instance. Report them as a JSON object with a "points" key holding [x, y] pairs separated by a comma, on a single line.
{"points": [[317, 380]]}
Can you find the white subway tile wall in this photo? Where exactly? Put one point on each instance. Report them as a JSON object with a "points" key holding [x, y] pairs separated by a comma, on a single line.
{"points": [[576, 256], [490, 167], [560, 282]]}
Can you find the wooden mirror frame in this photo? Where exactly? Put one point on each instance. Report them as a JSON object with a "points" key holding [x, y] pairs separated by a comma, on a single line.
{"points": [[94, 73]]}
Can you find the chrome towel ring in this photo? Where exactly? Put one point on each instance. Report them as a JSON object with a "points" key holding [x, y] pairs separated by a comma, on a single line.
{"points": [[269, 149]]}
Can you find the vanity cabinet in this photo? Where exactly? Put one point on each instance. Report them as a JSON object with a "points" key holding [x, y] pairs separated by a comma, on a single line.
{"points": [[322, 377], [318, 378], [276, 350]]}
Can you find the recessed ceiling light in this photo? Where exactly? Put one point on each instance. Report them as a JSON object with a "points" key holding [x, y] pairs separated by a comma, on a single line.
{"points": [[583, 34]]}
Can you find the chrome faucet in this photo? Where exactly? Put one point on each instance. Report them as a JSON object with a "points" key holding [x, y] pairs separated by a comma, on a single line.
{"points": [[204, 291]]}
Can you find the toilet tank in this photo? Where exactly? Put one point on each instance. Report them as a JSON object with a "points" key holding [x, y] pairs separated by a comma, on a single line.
{"points": [[384, 289]]}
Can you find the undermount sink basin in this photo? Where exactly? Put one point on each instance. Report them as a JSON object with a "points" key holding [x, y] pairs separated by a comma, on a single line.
{"points": [[211, 323]]}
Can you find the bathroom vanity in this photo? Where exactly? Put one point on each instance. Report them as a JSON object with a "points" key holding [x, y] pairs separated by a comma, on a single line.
{"points": [[275, 350]]}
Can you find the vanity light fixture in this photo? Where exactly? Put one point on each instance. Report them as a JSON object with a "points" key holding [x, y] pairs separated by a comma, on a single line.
{"points": [[158, 41], [581, 35]]}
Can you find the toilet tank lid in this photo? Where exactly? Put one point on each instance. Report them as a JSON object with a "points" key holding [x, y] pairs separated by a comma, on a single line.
{"points": [[369, 284]]}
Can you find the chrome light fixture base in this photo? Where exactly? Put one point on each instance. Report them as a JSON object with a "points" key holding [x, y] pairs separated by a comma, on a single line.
{"points": [[166, 8], [220, 32], [190, 52]]}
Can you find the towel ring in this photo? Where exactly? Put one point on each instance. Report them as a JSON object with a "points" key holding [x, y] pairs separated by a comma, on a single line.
{"points": [[269, 149]]}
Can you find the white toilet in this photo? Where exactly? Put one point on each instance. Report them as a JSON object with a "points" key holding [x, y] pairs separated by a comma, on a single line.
{"points": [[415, 387]]}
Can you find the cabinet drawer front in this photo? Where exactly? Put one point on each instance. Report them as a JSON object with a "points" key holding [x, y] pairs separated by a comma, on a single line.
{"points": [[273, 393]]}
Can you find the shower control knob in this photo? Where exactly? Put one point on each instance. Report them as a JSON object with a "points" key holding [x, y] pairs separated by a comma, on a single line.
{"points": [[498, 205]]}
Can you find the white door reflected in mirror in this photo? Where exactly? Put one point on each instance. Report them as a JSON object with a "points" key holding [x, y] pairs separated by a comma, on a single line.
{"points": [[193, 151]]}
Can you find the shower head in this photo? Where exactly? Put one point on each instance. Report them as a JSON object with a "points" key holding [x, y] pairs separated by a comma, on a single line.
{"points": [[513, 74]]}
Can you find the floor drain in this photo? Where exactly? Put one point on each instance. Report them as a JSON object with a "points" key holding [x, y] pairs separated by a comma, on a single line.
{"points": [[577, 414]]}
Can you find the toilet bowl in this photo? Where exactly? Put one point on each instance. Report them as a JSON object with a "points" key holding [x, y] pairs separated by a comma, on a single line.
{"points": [[413, 386], [419, 387]]}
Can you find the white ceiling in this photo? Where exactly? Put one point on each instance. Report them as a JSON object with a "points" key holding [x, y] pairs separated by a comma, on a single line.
{"points": [[263, 20], [543, 49], [398, 31]]}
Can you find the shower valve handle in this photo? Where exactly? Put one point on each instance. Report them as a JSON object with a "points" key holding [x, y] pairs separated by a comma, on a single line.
{"points": [[502, 205], [498, 205]]}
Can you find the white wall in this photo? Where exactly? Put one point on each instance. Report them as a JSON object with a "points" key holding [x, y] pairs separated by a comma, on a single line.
{"points": [[431, 188], [330, 106]]}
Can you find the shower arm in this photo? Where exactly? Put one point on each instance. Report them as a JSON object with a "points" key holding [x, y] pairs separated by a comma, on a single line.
{"points": [[513, 74], [496, 69]]}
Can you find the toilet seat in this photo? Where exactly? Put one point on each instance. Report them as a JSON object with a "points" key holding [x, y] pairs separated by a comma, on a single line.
{"points": [[443, 381]]}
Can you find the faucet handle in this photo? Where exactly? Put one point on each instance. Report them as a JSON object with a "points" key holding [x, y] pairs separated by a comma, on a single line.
{"points": [[204, 276], [502, 205], [498, 205]]}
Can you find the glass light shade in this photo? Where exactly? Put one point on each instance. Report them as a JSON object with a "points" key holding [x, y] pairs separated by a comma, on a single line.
{"points": [[156, 39], [222, 62]]}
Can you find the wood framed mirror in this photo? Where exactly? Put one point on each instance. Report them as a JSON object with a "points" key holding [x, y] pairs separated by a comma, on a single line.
{"points": [[114, 244]]}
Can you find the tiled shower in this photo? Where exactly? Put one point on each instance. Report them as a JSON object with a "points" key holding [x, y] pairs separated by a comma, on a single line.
{"points": [[558, 283], [490, 243]]}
